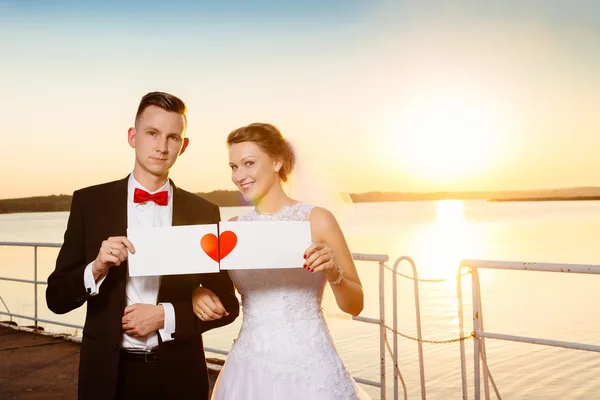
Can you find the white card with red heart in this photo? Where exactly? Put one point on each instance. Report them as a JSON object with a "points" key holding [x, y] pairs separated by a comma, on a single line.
{"points": [[263, 244], [173, 250]]}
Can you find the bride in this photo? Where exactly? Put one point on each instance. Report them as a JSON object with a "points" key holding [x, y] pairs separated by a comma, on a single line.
{"points": [[284, 349]]}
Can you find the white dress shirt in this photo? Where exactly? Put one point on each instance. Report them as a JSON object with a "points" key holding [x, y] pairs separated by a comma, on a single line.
{"points": [[142, 289]]}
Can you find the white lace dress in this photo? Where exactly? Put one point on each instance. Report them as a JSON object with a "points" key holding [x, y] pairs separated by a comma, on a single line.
{"points": [[284, 349]]}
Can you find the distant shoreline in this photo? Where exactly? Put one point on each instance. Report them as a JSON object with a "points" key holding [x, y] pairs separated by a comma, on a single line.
{"points": [[574, 198], [232, 198]]}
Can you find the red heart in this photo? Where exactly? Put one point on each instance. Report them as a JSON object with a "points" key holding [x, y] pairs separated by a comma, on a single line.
{"points": [[227, 242], [210, 244]]}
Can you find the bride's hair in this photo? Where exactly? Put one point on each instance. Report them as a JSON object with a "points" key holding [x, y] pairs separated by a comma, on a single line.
{"points": [[270, 140]]}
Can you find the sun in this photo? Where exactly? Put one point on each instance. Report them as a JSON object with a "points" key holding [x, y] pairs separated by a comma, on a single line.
{"points": [[446, 136]]}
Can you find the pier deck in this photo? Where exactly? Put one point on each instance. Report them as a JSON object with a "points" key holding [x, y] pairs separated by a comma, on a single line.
{"points": [[35, 366]]}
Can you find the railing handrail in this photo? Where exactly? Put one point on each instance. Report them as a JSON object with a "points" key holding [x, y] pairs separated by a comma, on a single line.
{"points": [[356, 256], [479, 353], [30, 244], [531, 266], [370, 257]]}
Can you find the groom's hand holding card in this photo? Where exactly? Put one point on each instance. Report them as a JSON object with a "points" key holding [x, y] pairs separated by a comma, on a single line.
{"points": [[171, 250], [197, 249]]}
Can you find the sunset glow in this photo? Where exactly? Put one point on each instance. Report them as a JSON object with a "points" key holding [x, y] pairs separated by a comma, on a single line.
{"points": [[450, 136], [385, 95]]}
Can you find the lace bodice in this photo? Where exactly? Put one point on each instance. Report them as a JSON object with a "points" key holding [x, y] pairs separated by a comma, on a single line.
{"points": [[283, 329], [280, 293]]}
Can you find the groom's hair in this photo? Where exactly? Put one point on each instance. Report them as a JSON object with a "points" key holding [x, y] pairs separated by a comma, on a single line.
{"points": [[163, 100], [270, 140]]}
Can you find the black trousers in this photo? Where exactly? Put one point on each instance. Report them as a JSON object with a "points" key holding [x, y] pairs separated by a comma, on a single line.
{"points": [[139, 380]]}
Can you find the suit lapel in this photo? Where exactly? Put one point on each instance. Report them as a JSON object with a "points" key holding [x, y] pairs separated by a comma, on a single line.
{"points": [[117, 213], [180, 217]]}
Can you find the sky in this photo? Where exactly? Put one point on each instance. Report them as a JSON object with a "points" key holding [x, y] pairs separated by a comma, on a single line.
{"points": [[407, 96]]}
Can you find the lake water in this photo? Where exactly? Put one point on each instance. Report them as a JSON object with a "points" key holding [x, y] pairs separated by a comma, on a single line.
{"points": [[436, 235]]}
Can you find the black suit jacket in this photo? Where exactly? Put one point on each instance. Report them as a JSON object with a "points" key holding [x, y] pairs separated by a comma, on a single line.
{"points": [[97, 213]]}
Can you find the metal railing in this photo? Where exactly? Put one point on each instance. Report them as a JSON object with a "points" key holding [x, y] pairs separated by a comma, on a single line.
{"points": [[381, 259], [419, 338], [479, 334], [35, 283]]}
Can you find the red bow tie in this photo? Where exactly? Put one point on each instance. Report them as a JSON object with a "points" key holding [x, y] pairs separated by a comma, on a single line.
{"points": [[160, 198]]}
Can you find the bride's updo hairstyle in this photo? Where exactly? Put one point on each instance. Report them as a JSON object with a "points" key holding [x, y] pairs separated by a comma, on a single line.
{"points": [[270, 140]]}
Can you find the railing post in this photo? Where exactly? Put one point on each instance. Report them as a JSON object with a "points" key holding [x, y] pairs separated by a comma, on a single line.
{"points": [[382, 327], [417, 316], [486, 386], [463, 360], [395, 324], [476, 343], [35, 286], [419, 332]]}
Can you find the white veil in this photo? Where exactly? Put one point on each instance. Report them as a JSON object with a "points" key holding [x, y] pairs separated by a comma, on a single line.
{"points": [[314, 183], [317, 184]]}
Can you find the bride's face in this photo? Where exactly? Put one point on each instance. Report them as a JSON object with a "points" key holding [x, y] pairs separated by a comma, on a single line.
{"points": [[253, 171]]}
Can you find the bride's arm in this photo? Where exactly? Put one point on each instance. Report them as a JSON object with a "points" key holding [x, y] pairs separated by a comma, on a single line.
{"points": [[211, 303], [331, 256]]}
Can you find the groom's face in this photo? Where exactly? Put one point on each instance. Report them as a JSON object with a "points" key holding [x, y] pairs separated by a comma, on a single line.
{"points": [[252, 170], [158, 139]]}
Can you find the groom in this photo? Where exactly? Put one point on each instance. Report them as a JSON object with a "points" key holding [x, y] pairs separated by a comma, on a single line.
{"points": [[141, 338]]}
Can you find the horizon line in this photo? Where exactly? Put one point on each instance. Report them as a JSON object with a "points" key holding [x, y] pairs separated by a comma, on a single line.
{"points": [[370, 192]]}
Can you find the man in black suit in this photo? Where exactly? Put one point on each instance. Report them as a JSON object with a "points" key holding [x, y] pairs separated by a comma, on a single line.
{"points": [[141, 338]]}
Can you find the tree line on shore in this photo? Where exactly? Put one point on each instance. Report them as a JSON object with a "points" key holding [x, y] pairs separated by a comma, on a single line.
{"points": [[233, 198], [222, 198]]}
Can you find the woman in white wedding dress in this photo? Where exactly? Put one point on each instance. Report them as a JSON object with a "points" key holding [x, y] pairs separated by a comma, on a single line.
{"points": [[284, 349]]}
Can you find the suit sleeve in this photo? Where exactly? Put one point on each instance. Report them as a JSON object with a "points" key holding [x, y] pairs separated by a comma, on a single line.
{"points": [[186, 322], [66, 290]]}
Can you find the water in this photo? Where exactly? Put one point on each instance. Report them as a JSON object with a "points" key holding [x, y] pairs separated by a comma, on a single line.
{"points": [[436, 235]]}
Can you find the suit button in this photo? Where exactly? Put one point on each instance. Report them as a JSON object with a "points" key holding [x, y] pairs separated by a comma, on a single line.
{"points": [[114, 347]]}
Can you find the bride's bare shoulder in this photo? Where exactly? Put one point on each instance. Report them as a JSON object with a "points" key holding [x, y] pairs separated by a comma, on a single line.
{"points": [[322, 219]]}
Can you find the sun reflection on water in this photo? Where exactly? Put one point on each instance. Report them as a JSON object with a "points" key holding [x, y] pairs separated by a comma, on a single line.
{"points": [[447, 239], [453, 239]]}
